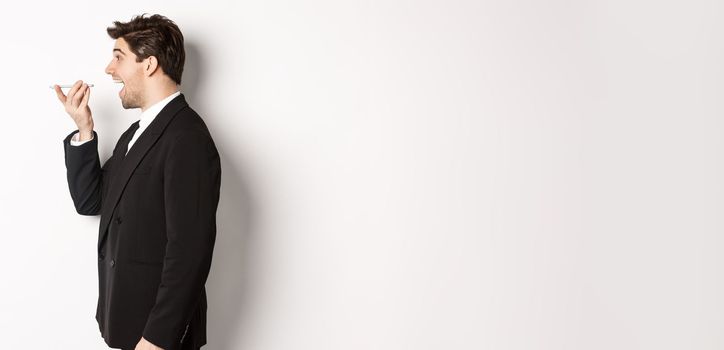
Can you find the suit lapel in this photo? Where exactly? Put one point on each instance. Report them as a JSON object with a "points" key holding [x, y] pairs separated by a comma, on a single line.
{"points": [[129, 163]]}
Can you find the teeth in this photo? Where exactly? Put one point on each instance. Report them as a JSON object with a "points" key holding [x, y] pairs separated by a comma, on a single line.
{"points": [[117, 81]]}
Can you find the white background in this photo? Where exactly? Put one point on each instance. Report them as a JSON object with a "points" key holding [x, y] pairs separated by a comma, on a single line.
{"points": [[399, 174]]}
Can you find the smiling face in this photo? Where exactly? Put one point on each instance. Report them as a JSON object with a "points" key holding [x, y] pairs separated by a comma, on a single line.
{"points": [[125, 70]]}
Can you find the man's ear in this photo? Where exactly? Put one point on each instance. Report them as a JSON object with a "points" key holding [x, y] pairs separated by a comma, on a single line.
{"points": [[150, 65]]}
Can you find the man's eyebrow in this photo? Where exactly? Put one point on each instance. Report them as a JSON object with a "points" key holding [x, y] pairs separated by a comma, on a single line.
{"points": [[119, 50]]}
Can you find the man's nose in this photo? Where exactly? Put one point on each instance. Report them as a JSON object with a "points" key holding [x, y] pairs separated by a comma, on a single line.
{"points": [[108, 69]]}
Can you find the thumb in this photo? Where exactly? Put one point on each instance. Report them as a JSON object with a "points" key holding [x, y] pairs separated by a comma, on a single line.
{"points": [[59, 93]]}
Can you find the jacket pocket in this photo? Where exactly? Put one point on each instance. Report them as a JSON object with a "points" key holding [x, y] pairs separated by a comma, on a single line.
{"points": [[149, 246]]}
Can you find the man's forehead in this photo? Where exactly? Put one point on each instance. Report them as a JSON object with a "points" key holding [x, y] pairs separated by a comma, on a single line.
{"points": [[120, 46]]}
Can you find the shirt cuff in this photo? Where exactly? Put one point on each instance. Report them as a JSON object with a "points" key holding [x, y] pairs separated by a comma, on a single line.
{"points": [[74, 140]]}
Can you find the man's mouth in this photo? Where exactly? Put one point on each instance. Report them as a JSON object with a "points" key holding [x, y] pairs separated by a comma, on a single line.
{"points": [[123, 90]]}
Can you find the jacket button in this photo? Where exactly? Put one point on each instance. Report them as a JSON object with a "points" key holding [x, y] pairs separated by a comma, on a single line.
{"points": [[113, 262], [118, 220], [101, 256]]}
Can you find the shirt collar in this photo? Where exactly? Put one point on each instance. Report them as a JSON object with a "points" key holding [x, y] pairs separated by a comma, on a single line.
{"points": [[149, 114]]}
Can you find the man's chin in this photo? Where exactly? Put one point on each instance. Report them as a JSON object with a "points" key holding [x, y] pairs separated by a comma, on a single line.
{"points": [[128, 105]]}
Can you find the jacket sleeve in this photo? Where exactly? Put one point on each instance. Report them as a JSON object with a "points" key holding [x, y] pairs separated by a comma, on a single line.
{"points": [[85, 175], [192, 181]]}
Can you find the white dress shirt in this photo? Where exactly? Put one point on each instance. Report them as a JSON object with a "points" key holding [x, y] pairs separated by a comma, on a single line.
{"points": [[146, 118]]}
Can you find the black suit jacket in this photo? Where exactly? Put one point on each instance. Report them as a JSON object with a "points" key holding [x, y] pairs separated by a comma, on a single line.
{"points": [[157, 228]]}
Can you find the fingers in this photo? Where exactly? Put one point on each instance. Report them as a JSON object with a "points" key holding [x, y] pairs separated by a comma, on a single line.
{"points": [[71, 94], [59, 93], [79, 95], [86, 96]]}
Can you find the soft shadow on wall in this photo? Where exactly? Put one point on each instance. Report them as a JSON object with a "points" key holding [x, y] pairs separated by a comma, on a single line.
{"points": [[227, 287]]}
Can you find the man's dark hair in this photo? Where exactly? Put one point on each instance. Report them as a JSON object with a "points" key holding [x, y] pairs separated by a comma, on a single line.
{"points": [[154, 36]]}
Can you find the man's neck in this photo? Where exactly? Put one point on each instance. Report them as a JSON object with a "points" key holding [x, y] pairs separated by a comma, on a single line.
{"points": [[158, 96]]}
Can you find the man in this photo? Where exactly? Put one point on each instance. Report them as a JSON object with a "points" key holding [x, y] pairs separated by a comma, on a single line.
{"points": [[157, 194]]}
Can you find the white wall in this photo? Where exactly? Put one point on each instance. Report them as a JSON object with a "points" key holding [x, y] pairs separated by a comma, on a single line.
{"points": [[400, 174]]}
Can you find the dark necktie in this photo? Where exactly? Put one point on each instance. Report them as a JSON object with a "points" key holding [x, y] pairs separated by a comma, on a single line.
{"points": [[124, 145]]}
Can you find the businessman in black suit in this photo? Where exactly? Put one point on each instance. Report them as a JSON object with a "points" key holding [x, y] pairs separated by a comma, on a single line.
{"points": [[157, 195]]}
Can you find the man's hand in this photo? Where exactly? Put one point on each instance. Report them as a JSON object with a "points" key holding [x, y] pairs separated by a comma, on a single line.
{"points": [[76, 105], [146, 345]]}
